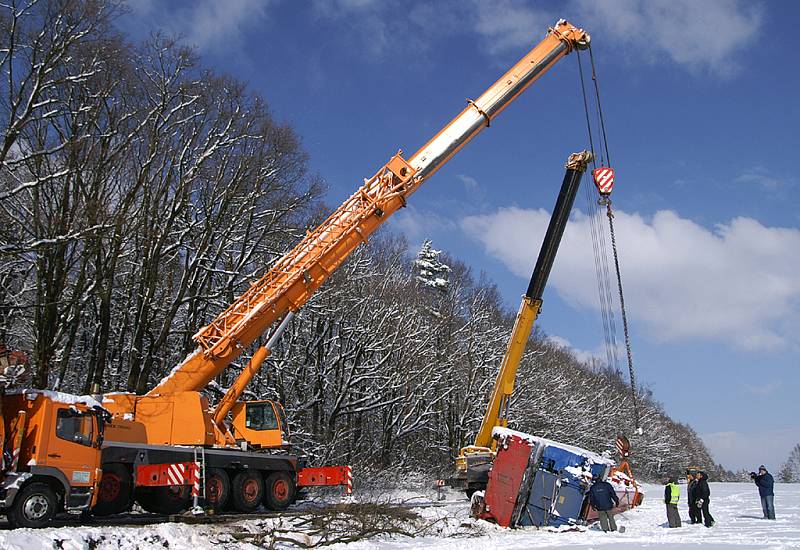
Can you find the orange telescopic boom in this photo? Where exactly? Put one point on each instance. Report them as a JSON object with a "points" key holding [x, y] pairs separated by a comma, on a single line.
{"points": [[293, 279]]}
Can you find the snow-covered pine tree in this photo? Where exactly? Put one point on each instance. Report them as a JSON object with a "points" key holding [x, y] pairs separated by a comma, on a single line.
{"points": [[429, 270], [790, 472]]}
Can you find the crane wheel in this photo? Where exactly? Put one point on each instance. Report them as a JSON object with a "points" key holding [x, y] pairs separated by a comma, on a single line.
{"points": [[218, 488], [280, 491], [115, 490], [247, 490], [164, 500], [34, 506]]}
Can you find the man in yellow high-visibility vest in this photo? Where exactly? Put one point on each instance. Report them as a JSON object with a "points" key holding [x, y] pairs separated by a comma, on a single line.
{"points": [[672, 493]]}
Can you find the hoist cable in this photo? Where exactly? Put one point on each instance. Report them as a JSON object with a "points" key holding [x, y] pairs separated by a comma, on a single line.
{"points": [[599, 108], [610, 214], [606, 277], [586, 108], [598, 246], [624, 317], [603, 276]]}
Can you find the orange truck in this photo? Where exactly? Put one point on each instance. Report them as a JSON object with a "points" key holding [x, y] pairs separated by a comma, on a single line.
{"points": [[52, 455], [168, 447]]}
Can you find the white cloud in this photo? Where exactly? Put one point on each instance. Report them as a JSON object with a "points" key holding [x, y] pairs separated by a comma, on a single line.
{"points": [[737, 450], [762, 390], [418, 225], [210, 23], [582, 355], [140, 7], [508, 25], [761, 177], [470, 183], [702, 36], [367, 19], [737, 283]]}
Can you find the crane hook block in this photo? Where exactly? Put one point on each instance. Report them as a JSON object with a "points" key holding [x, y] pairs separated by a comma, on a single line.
{"points": [[603, 179]]}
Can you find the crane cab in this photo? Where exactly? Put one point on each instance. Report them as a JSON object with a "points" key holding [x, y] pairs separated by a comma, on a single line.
{"points": [[260, 423]]}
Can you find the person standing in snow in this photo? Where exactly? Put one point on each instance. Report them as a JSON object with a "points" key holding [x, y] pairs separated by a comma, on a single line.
{"points": [[765, 484], [702, 494], [603, 498], [672, 493], [691, 484]]}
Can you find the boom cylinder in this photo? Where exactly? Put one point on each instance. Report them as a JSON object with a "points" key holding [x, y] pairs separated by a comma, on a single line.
{"points": [[576, 166]]}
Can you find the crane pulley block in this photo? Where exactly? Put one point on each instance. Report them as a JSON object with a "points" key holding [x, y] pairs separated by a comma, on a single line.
{"points": [[603, 179]]}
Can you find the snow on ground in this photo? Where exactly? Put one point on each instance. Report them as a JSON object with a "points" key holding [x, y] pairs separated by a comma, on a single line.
{"points": [[735, 506]]}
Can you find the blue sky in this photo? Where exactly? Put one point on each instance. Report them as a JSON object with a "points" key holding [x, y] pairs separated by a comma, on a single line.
{"points": [[701, 111]]}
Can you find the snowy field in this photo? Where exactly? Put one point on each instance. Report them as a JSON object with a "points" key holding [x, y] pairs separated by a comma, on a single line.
{"points": [[735, 506]]}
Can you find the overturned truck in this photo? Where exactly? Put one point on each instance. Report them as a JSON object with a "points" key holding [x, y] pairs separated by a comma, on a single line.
{"points": [[538, 482]]}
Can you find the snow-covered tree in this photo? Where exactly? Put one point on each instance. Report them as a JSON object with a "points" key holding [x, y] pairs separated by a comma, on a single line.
{"points": [[790, 471], [429, 269]]}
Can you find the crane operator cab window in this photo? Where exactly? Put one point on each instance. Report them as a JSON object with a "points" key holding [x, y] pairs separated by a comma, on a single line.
{"points": [[74, 426], [261, 416]]}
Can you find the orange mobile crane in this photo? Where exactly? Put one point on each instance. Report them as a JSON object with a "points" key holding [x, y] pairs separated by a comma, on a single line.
{"points": [[150, 445]]}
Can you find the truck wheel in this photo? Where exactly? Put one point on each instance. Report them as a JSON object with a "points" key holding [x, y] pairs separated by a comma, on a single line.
{"points": [[218, 488], [280, 491], [247, 490], [115, 490], [34, 506], [165, 500]]}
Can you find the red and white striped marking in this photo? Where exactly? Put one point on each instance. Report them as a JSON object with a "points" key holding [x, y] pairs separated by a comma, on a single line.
{"points": [[604, 179], [176, 474], [195, 475], [348, 486], [14, 460], [440, 483]]}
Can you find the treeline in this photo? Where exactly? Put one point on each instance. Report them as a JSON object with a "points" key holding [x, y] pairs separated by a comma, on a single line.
{"points": [[383, 369], [140, 193]]}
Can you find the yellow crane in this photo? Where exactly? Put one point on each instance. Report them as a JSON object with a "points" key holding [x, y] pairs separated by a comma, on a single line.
{"points": [[474, 461]]}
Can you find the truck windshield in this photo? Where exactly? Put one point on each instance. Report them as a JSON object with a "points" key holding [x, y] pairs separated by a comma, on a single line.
{"points": [[261, 416], [74, 426]]}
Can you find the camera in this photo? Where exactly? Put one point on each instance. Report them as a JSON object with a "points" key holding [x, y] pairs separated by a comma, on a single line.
{"points": [[752, 475]]}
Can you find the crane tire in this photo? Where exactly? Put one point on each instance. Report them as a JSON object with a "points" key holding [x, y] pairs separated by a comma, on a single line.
{"points": [[34, 506], [218, 488], [280, 491], [115, 490], [247, 490]]}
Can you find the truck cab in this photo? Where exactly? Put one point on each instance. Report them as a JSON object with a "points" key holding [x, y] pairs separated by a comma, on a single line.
{"points": [[262, 424], [51, 458]]}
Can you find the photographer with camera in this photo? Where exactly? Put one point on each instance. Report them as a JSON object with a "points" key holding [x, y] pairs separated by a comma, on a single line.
{"points": [[765, 484]]}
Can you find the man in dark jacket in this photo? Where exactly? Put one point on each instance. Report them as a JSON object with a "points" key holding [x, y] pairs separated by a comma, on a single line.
{"points": [[603, 498], [691, 483], [702, 494], [765, 484]]}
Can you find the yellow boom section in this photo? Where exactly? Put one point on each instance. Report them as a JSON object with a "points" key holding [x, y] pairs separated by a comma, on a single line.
{"points": [[497, 411], [297, 275]]}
